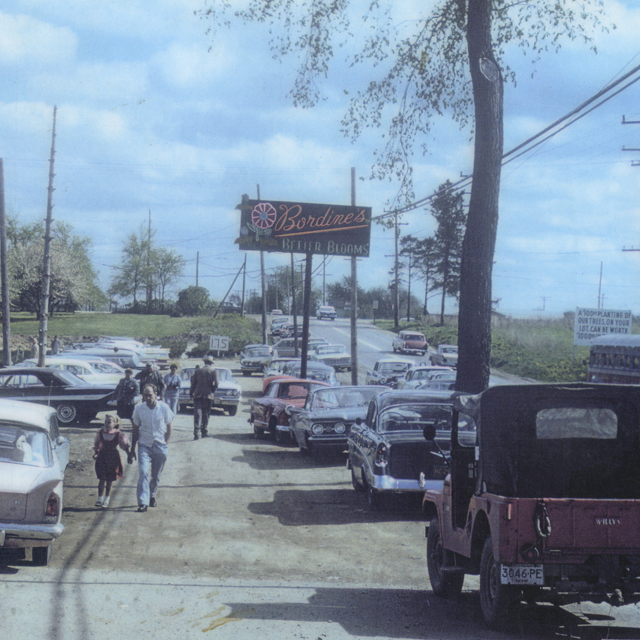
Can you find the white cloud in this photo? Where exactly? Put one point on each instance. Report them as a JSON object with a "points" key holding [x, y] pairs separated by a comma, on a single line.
{"points": [[29, 41]]}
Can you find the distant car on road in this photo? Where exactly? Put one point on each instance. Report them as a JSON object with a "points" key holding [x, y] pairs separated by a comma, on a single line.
{"points": [[33, 459], [387, 371], [420, 374], [326, 312], [335, 355], [410, 342], [285, 347], [254, 358], [277, 324], [276, 312], [446, 355]]}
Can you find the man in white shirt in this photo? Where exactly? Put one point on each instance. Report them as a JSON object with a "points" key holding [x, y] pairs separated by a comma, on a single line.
{"points": [[152, 424]]}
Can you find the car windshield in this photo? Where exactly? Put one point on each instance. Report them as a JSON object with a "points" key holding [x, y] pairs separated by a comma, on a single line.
{"points": [[186, 374], [393, 367], [415, 417], [294, 390], [257, 352], [415, 337], [324, 350], [314, 374], [24, 445], [69, 378], [335, 398], [449, 350], [224, 375]]}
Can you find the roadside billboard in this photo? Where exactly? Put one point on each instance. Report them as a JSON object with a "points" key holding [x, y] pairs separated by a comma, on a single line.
{"points": [[303, 227], [591, 323]]}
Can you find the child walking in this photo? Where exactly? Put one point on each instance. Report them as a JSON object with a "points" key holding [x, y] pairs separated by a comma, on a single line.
{"points": [[107, 457]]}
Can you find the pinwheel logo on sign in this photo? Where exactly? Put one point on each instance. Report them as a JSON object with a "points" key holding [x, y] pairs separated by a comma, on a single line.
{"points": [[263, 217]]}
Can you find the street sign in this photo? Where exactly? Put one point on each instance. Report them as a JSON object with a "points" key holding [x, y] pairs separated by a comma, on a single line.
{"points": [[218, 343], [375, 304], [303, 227], [591, 323]]}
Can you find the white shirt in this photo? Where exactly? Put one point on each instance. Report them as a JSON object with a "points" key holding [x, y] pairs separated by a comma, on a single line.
{"points": [[152, 423]]}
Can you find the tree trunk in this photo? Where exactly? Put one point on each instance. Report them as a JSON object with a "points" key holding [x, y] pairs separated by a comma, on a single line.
{"points": [[474, 322], [445, 284]]}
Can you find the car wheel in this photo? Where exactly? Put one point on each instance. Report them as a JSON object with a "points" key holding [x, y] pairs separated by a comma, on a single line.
{"points": [[232, 411], [445, 584], [41, 556], [495, 597], [272, 428], [374, 499], [281, 437], [67, 414], [354, 481], [257, 433]]}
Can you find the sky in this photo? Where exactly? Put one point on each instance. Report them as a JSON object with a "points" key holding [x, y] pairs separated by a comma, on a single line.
{"points": [[156, 117]]}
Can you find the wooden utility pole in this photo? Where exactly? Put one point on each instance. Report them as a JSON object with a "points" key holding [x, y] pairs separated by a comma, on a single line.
{"points": [[6, 307], [396, 303], [294, 311], [306, 304], [264, 291], [198, 265], [46, 265], [149, 279], [354, 295], [244, 281]]}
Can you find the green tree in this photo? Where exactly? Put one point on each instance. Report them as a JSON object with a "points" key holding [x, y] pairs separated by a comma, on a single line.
{"points": [[448, 210], [452, 60], [73, 282], [193, 301], [131, 273], [168, 267]]}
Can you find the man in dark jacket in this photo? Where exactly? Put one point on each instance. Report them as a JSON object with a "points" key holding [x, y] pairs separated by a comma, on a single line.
{"points": [[149, 375], [204, 383]]}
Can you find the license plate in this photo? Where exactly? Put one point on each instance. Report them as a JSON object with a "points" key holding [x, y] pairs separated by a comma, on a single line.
{"points": [[522, 574]]}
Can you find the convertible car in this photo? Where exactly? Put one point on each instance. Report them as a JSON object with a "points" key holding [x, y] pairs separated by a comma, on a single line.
{"points": [[328, 415], [73, 399], [33, 458], [269, 412]]}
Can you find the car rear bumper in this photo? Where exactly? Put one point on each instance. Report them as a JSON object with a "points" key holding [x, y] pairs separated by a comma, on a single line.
{"points": [[29, 535], [389, 483]]}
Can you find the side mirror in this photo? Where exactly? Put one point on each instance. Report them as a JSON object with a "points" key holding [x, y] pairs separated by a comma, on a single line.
{"points": [[429, 432]]}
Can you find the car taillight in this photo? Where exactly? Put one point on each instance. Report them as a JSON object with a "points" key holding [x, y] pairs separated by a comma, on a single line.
{"points": [[381, 455], [52, 509]]}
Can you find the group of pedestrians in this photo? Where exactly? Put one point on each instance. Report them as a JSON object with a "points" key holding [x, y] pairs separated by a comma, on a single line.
{"points": [[152, 425]]}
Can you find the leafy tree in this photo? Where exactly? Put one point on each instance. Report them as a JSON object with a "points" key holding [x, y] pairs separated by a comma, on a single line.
{"points": [[168, 266], [448, 210], [193, 301], [130, 275], [453, 60], [73, 282]]}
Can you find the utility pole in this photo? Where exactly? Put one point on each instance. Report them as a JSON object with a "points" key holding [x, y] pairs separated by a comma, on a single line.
{"points": [[149, 281], [198, 265], [294, 312], [600, 286], [6, 307], [46, 265], [396, 304], [244, 280], [634, 163], [354, 295], [409, 290], [324, 280], [264, 290]]}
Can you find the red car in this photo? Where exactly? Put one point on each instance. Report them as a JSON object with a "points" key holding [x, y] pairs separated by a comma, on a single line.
{"points": [[268, 413]]}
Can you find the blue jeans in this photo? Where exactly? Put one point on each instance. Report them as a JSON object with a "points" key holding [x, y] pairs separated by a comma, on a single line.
{"points": [[150, 459], [171, 398]]}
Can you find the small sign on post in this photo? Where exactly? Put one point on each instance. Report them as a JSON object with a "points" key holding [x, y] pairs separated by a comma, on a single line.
{"points": [[591, 323], [218, 344]]}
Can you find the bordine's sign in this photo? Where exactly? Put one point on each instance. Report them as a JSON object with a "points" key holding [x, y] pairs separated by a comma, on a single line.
{"points": [[303, 227]]}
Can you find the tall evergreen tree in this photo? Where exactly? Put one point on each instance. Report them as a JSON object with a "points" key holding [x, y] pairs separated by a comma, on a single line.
{"points": [[448, 210]]}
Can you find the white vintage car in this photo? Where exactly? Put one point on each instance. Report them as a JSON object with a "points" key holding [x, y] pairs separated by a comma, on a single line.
{"points": [[93, 371], [228, 395], [33, 458]]}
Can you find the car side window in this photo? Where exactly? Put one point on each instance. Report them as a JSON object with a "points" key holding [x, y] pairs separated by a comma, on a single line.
{"points": [[31, 381], [269, 390]]}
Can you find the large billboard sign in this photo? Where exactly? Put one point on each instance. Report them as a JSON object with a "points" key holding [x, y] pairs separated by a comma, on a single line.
{"points": [[303, 227], [591, 323]]}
